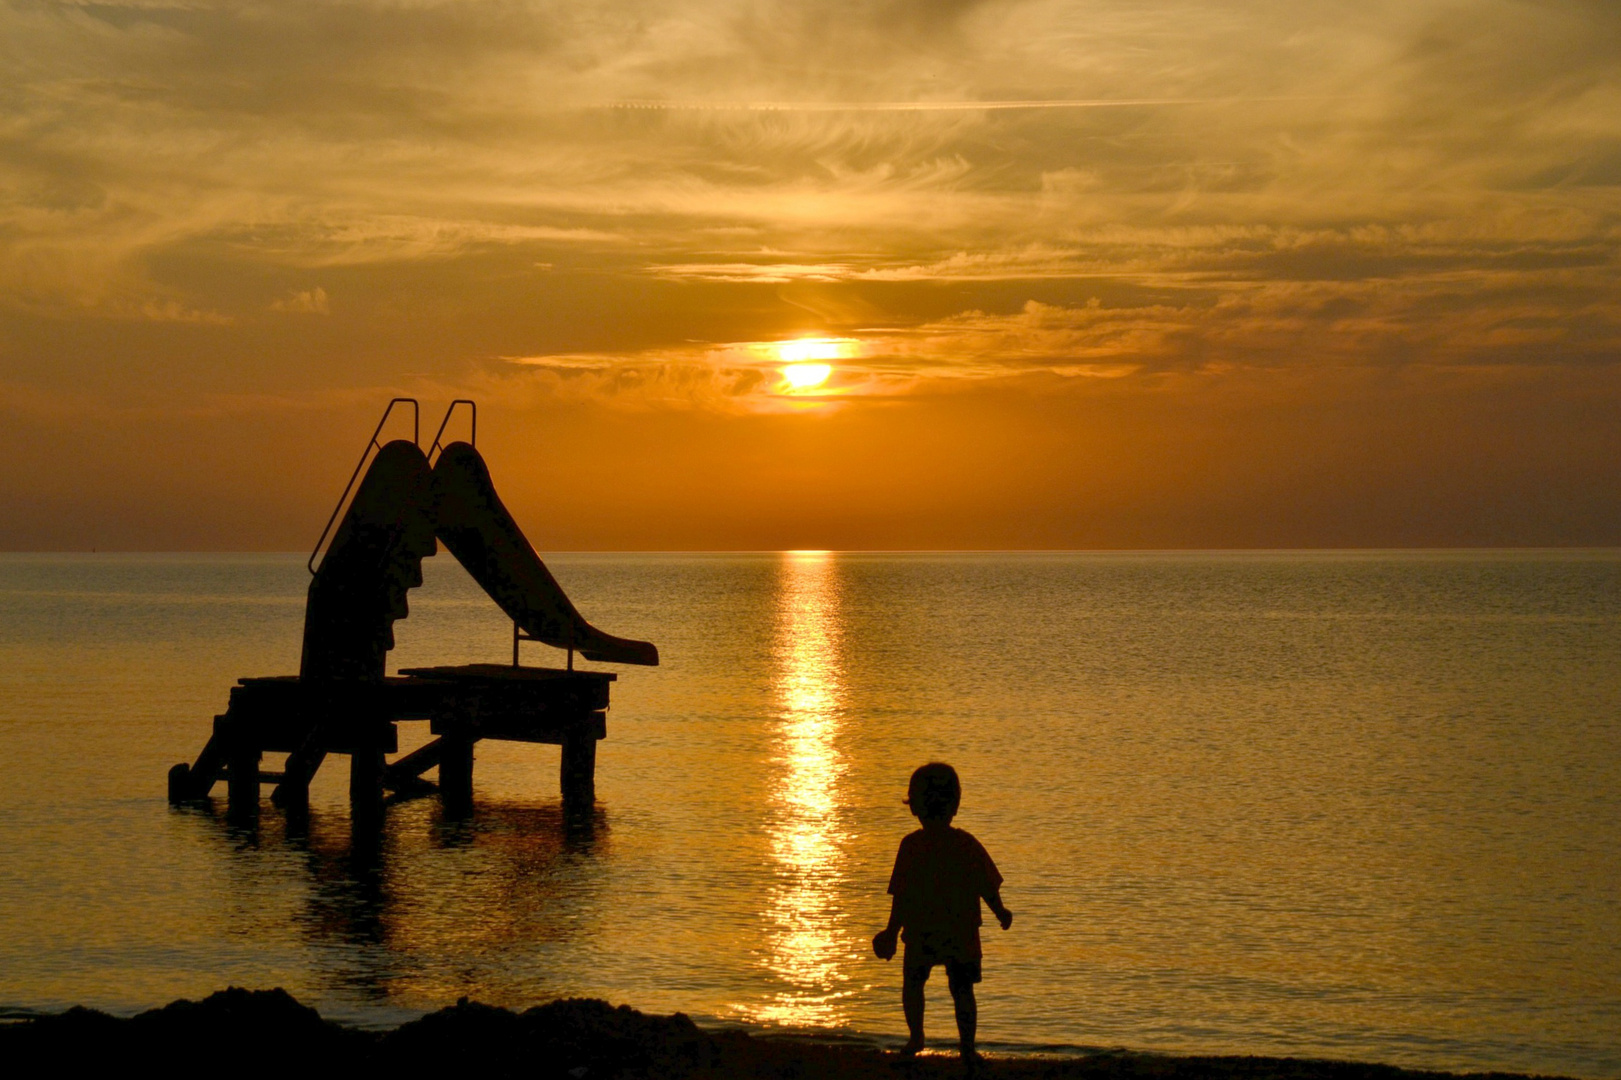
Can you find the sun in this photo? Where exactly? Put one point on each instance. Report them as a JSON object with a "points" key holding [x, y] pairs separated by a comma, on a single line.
{"points": [[806, 376], [797, 352], [803, 367]]}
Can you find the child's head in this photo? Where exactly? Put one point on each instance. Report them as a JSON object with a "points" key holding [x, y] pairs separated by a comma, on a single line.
{"points": [[935, 792]]}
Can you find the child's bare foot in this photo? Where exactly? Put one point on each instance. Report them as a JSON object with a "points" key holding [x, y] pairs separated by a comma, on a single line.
{"points": [[971, 1059], [913, 1045]]}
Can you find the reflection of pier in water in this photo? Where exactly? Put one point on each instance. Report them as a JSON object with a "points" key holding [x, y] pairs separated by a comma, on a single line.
{"points": [[808, 948], [428, 908]]}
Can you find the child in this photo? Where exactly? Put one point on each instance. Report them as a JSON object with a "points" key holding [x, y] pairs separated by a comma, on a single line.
{"points": [[940, 875]]}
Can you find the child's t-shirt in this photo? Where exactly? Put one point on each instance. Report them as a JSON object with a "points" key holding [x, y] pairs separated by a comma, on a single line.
{"points": [[939, 876]]}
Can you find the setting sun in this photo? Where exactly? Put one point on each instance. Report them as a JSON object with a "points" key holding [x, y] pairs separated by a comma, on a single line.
{"points": [[803, 358], [806, 376], [797, 352]]}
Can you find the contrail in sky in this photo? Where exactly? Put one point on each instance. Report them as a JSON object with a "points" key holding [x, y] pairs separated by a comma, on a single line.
{"points": [[923, 106]]}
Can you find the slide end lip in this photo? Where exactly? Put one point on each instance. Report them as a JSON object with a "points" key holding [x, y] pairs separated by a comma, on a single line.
{"points": [[644, 653]]}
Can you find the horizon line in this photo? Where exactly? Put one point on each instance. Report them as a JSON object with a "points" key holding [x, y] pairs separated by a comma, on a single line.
{"points": [[1326, 550]]}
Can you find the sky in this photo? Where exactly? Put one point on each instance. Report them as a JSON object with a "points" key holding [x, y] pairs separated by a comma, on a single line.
{"points": [[1114, 274]]}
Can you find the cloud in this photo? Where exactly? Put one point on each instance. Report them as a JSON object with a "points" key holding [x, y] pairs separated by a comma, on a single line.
{"points": [[760, 273], [307, 302], [920, 106], [947, 356], [172, 311], [1249, 182], [1269, 325]]}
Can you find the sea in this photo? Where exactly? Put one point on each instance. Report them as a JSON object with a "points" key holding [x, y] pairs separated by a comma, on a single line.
{"points": [[1353, 805]]}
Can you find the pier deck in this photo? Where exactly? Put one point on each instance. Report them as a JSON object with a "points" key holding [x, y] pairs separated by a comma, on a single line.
{"points": [[309, 719]]}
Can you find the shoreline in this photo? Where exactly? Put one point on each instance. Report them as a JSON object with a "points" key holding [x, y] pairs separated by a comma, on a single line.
{"points": [[269, 1033]]}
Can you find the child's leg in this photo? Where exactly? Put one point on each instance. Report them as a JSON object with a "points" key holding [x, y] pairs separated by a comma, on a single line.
{"points": [[912, 1005], [965, 1006]]}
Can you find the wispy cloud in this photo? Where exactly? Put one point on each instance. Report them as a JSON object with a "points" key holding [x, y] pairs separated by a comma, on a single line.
{"points": [[1269, 325], [1016, 188], [305, 302], [925, 106]]}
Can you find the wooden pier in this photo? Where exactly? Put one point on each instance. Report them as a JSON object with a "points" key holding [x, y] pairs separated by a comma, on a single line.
{"points": [[463, 705], [406, 506]]}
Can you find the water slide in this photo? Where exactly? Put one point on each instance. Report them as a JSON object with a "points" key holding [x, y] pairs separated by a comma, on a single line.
{"points": [[480, 532], [376, 558]]}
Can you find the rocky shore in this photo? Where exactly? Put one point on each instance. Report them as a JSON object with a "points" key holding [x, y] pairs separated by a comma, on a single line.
{"points": [[267, 1033]]}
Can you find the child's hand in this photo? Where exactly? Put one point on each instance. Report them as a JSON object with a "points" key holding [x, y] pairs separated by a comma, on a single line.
{"points": [[1005, 917], [883, 944]]}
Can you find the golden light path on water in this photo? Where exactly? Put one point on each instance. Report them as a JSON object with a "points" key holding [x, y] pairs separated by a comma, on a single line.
{"points": [[807, 951]]}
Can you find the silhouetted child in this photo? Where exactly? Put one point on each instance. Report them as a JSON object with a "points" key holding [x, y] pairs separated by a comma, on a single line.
{"points": [[940, 875]]}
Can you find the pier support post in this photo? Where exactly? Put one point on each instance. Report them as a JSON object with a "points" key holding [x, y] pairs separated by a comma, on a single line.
{"points": [[242, 780], [366, 784], [579, 769], [456, 773], [180, 783], [293, 793]]}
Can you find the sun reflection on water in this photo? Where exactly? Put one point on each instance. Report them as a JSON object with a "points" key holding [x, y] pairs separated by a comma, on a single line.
{"points": [[808, 950]]}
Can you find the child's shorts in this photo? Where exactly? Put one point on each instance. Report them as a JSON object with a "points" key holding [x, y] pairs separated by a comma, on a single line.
{"points": [[921, 957]]}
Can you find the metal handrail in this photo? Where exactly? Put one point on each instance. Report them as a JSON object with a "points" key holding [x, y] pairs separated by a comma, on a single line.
{"points": [[518, 635], [416, 438], [472, 435]]}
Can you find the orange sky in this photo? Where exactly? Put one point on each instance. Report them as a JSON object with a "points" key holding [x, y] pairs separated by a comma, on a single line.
{"points": [[1112, 274]]}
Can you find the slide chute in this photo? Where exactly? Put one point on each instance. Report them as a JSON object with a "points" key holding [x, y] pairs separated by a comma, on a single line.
{"points": [[376, 555]]}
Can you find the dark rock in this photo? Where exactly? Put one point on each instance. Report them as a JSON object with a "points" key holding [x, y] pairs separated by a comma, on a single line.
{"points": [[556, 1040], [235, 1012], [247, 1034]]}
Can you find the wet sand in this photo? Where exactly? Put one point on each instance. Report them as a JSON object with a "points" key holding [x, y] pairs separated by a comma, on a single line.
{"points": [[241, 1033]]}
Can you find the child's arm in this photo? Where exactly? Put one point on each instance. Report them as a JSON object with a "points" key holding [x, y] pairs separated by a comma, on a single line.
{"points": [[993, 897], [883, 943]]}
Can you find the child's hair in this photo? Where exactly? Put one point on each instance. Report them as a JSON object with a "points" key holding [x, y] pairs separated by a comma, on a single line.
{"points": [[935, 791]]}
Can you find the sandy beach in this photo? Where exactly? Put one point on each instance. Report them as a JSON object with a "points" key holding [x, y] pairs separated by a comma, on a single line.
{"points": [[269, 1033]]}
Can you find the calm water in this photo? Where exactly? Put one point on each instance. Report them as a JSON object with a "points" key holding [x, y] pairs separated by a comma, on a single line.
{"points": [[1362, 806]]}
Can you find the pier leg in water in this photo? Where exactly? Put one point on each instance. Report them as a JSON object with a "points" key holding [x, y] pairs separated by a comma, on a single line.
{"points": [[180, 783], [366, 785], [293, 793], [579, 771], [242, 781], [456, 775]]}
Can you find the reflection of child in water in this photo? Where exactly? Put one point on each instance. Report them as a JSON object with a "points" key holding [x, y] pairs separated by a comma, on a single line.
{"points": [[940, 875]]}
